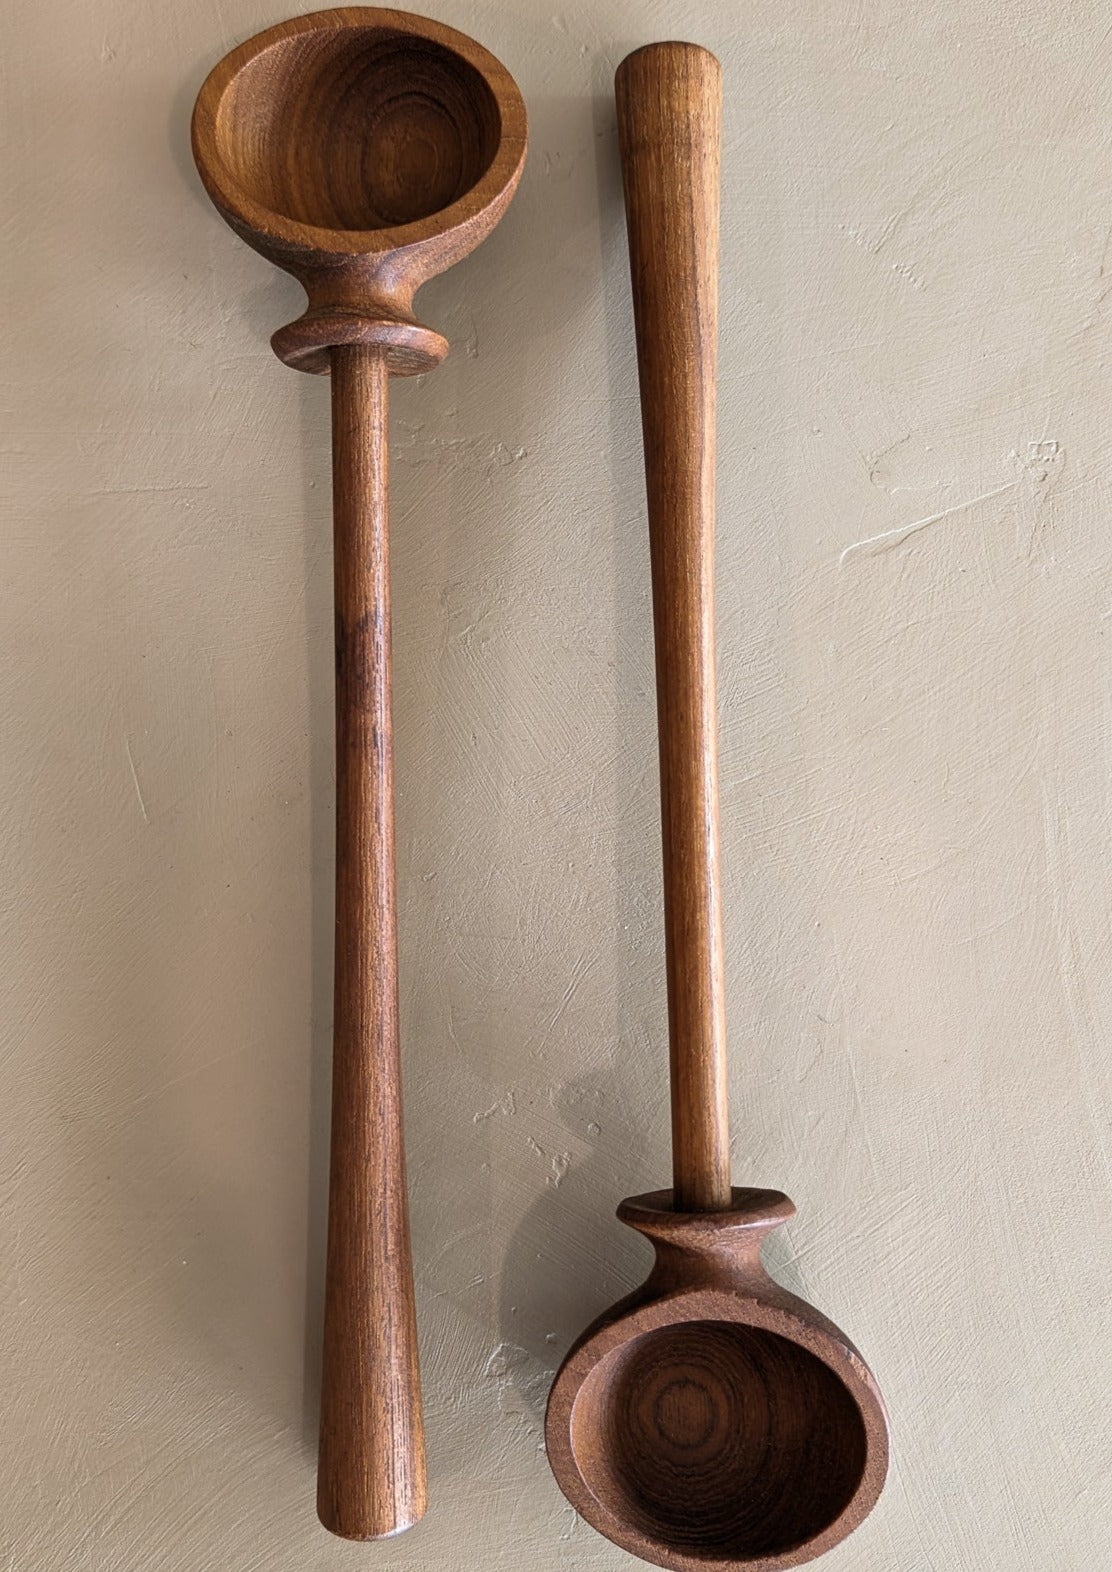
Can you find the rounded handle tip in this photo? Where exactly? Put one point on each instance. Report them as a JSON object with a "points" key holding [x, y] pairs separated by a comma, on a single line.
{"points": [[669, 63]]}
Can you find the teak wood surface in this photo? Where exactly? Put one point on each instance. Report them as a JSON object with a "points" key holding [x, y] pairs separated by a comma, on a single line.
{"points": [[673, 256], [363, 151], [370, 1389], [709, 1421]]}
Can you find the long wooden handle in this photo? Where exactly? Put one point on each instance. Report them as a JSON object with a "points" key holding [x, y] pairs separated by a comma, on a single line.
{"points": [[371, 1475], [669, 100]]}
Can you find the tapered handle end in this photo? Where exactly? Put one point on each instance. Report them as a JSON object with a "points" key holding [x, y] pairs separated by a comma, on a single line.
{"points": [[371, 1473], [672, 65], [669, 101], [669, 98]]}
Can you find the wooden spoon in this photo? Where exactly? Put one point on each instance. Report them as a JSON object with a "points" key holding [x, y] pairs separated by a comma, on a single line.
{"points": [[363, 151], [710, 1419]]}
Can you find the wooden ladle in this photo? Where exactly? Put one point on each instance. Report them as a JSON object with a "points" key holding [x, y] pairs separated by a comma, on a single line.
{"points": [[711, 1419], [363, 151]]}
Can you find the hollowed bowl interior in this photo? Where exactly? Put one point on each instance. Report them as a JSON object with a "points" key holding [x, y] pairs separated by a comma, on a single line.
{"points": [[719, 1440], [357, 128]]}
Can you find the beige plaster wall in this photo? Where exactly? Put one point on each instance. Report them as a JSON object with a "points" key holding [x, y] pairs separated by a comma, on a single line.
{"points": [[915, 634]]}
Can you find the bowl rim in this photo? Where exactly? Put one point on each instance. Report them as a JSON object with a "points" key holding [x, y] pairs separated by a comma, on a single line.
{"points": [[497, 182], [774, 1314]]}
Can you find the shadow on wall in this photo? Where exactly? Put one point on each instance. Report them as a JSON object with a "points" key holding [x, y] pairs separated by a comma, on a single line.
{"points": [[570, 1258], [315, 408], [168, 1108]]}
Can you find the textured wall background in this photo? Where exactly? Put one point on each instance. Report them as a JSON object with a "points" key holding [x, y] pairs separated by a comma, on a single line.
{"points": [[915, 623]]}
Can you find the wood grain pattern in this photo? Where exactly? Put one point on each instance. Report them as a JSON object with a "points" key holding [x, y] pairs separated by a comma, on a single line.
{"points": [[710, 1420], [330, 142], [371, 1478], [671, 142], [363, 151]]}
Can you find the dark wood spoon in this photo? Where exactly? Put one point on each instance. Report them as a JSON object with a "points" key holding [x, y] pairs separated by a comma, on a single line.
{"points": [[711, 1419], [363, 151]]}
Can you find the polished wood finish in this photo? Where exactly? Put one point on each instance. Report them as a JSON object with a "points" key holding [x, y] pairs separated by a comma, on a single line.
{"points": [[710, 1420], [371, 1475], [667, 144], [363, 151], [329, 142]]}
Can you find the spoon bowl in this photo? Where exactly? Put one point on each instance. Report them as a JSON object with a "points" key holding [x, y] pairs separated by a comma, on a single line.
{"points": [[712, 1420], [362, 150], [356, 130]]}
